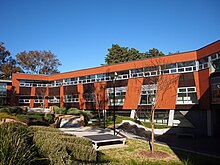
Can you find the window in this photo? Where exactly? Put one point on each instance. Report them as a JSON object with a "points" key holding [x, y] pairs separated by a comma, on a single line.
{"points": [[3, 89], [186, 64], [54, 99], [89, 97], [186, 95], [215, 89], [71, 98], [120, 93], [148, 94], [39, 100]]}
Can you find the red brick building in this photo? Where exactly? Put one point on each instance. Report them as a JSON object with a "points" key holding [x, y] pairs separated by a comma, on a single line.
{"points": [[192, 100]]}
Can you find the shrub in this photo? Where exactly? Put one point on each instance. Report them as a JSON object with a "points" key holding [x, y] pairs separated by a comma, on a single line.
{"points": [[74, 111], [76, 140], [50, 118], [11, 110], [7, 116], [59, 110], [42, 128], [16, 145], [34, 118], [65, 148]]}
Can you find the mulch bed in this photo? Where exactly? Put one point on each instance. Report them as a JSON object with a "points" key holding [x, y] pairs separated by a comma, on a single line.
{"points": [[156, 155]]}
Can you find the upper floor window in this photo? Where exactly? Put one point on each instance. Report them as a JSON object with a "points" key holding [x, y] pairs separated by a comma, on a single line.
{"points": [[120, 93], [148, 94], [186, 95]]}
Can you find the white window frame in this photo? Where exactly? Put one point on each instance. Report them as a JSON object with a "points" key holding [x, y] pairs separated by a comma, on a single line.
{"points": [[187, 91]]}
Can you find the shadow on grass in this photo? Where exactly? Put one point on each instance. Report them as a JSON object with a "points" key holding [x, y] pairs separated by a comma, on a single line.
{"points": [[193, 150]]}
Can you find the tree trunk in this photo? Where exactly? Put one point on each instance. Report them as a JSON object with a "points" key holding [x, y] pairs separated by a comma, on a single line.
{"points": [[99, 116], [152, 130]]}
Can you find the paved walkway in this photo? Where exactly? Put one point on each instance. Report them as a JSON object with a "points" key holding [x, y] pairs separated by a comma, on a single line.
{"points": [[86, 131]]}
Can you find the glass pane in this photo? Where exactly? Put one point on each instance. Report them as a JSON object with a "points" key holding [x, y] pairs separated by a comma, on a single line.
{"points": [[191, 89], [143, 100], [193, 98], [182, 90], [181, 97]]}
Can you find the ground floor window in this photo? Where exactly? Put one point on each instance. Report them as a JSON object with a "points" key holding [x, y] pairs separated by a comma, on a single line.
{"points": [[54, 99], [187, 95], [215, 90], [71, 98], [3, 101]]}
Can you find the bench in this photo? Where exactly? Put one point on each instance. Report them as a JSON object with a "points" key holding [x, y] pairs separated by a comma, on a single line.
{"points": [[105, 138]]}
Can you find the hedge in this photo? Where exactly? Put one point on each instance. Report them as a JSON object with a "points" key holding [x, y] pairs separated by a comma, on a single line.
{"points": [[61, 148]]}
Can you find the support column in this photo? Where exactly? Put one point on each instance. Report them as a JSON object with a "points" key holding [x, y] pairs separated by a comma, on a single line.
{"points": [[171, 117], [209, 123], [133, 112]]}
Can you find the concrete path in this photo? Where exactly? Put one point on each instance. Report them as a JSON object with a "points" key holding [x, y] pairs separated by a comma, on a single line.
{"points": [[86, 131]]}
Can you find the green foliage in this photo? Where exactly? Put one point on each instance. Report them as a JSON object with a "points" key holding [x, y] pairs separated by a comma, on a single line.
{"points": [[8, 65], [12, 110], [120, 118], [42, 128], [7, 116], [16, 145], [34, 118], [64, 149], [50, 118], [74, 111], [38, 62], [60, 110], [118, 54], [156, 126]]}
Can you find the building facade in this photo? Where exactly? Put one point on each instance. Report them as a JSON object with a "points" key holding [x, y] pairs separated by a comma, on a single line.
{"points": [[185, 88], [5, 92]]}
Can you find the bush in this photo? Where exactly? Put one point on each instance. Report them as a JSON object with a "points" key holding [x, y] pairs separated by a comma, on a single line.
{"points": [[74, 111], [50, 118], [59, 110], [34, 118], [16, 145], [12, 110], [42, 128], [65, 148], [8, 116]]}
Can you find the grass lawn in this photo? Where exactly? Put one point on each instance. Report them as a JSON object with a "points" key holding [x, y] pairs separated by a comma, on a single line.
{"points": [[137, 152], [134, 153]]}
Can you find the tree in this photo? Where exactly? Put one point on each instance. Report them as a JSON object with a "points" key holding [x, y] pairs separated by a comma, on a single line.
{"points": [[38, 62], [157, 88], [118, 54], [153, 53], [8, 65], [177, 52]]}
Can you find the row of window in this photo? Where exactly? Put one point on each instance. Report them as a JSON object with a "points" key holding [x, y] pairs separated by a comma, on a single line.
{"points": [[181, 67], [185, 95]]}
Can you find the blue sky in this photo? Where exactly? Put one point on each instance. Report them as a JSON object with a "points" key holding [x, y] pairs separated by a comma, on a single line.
{"points": [[79, 32]]}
